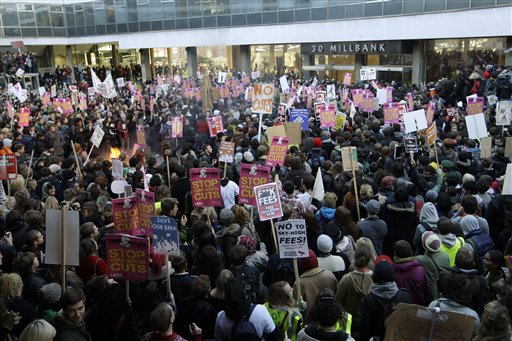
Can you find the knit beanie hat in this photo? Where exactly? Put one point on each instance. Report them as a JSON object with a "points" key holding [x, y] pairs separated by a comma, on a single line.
{"points": [[317, 142], [384, 272], [324, 243], [431, 241], [50, 293], [237, 302], [373, 207], [308, 263]]}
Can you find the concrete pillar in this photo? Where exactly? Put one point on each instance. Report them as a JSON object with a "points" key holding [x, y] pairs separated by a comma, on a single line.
{"points": [[191, 60], [69, 54], [308, 60], [115, 56], [418, 62], [358, 64], [169, 59], [245, 58], [466, 59], [145, 64]]}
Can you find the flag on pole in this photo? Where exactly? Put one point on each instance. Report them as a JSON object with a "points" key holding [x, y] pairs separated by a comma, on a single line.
{"points": [[105, 88], [318, 188]]}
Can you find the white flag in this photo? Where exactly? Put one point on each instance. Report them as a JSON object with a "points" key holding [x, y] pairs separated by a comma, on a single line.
{"points": [[105, 88], [318, 188]]}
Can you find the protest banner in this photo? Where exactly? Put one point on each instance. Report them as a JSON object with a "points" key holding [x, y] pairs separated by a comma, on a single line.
{"points": [[357, 97], [476, 126], [177, 127], [301, 116], [294, 132], [475, 105], [347, 79], [504, 113], [292, 239], [341, 118], [251, 176], [391, 114], [127, 257], [431, 109], [368, 74], [277, 151], [431, 134], [59, 224], [165, 236], [146, 209], [141, 134], [368, 102], [328, 116], [205, 184], [82, 103], [215, 125], [410, 101], [126, 216], [8, 167], [263, 96], [24, 120], [268, 201], [414, 121], [226, 152]]}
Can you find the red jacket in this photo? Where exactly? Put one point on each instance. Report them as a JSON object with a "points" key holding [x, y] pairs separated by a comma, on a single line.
{"points": [[86, 269]]}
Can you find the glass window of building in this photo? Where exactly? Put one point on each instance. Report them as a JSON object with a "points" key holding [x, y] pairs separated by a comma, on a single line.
{"points": [[57, 16], [194, 8], [285, 4], [42, 16], [9, 15], [302, 3], [223, 7], [254, 6], [181, 8], [214, 57], [237, 6], [27, 18], [269, 5]]}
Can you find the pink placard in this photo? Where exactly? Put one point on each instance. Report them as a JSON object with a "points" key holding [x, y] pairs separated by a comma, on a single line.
{"points": [[475, 105], [251, 176], [205, 184], [431, 109], [24, 120], [277, 151], [146, 208], [391, 114], [127, 257], [268, 201], [410, 101], [215, 125], [357, 97], [347, 79], [368, 102], [126, 216], [328, 116]]}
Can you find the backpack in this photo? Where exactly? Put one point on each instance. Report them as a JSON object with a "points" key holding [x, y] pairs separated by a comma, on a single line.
{"points": [[228, 241], [249, 277], [244, 329], [389, 306], [481, 244], [315, 162], [490, 87], [284, 272]]}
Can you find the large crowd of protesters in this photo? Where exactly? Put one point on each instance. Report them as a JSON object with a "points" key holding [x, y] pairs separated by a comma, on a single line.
{"points": [[431, 228]]}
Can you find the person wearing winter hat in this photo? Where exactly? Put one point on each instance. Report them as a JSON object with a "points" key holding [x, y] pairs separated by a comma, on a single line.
{"points": [[238, 308], [326, 214], [373, 227], [49, 297], [476, 240], [384, 296], [6, 149], [248, 157], [313, 279], [433, 261], [428, 222], [326, 260]]}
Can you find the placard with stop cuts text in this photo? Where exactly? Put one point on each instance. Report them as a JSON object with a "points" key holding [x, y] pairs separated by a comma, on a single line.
{"points": [[146, 209], [127, 257], [205, 184], [277, 151], [328, 116], [292, 238], [268, 201], [24, 120], [8, 167], [215, 125], [251, 176], [391, 113], [357, 97], [126, 216], [475, 105]]}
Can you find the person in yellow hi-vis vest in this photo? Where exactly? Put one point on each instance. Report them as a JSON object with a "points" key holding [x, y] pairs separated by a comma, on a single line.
{"points": [[450, 243], [327, 320], [281, 306]]}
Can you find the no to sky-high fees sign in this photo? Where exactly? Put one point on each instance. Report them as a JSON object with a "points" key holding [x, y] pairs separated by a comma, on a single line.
{"points": [[268, 202], [292, 238]]}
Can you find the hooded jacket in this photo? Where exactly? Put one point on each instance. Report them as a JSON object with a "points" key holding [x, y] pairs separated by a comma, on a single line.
{"points": [[325, 215], [409, 274], [428, 222], [70, 331]]}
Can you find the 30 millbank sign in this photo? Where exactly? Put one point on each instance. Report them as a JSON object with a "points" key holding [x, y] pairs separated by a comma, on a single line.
{"points": [[365, 47]]}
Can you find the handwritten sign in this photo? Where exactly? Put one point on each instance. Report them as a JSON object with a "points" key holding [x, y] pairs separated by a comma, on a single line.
{"points": [[368, 74], [263, 96]]}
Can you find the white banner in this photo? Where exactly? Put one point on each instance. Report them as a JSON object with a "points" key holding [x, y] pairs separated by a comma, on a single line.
{"points": [[105, 88]]}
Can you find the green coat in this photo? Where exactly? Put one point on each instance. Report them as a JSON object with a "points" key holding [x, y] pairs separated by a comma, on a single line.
{"points": [[434, 264]]}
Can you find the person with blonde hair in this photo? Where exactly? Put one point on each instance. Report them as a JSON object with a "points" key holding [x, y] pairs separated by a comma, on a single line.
{"points": [[39, 330], [11, 287], [51, 203]]}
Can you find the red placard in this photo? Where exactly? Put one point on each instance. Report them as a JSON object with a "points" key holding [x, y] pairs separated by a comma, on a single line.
{"points": [[24, 120], [215, 125], [268, 202], [127, 257], [205, 184], [277, 151], [8, 167], [251, 176], [126, 216]]}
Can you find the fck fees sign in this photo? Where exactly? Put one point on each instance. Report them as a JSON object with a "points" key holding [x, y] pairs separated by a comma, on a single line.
{"points": [[268, 202]]}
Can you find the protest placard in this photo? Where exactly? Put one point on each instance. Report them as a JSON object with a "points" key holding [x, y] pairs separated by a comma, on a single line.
{"points": [[8, 167], [222, 77], [382, 96], [120, 82], [391, 113], [263, 96], [357, 97], [268, 201], [141, 134], [97, 136], [126, 216], [347, 78], [277, 151], [24, 120], [504, 113], [205, 184], [431, 134], [54, 225], [341, 118], [215, 125], [475, 105], [507, 181], [431, 109], [410, 101], [226, 151], [508, 147], [146, 209], [368, 102], [485, 147], [127, 257], [320, 96], [346, 160], [283, 81], [294, 132], [301, 116], [328, 116], [117, 168], [165, 236], [415, 120], [331, 92], [281, 113], [292, 238], [279, 130], [177, 127], [476, 126], [82, 103], [411, 144], [368, 74], [255, 75], [251, 176]]}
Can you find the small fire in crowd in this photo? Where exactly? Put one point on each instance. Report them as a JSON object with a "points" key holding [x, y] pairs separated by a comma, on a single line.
{"points": [[115, 153]]}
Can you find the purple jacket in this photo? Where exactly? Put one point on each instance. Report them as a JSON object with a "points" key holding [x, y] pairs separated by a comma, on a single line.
{"points": [[410, 275]]}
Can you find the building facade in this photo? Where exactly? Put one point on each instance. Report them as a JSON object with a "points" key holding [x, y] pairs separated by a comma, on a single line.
{"points": [[408, 40]]}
